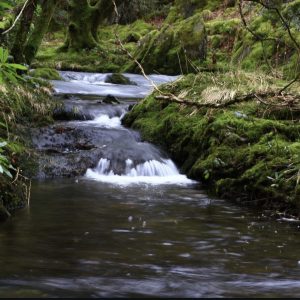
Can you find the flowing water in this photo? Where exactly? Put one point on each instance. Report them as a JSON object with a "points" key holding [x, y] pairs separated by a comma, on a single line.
{"points": [[133, 226]]}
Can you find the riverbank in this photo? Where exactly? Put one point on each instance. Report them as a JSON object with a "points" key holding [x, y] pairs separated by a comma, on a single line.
{"points": [[243, 150], [23, 106]]}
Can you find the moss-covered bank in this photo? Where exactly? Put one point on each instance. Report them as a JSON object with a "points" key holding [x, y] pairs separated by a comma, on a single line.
{"points": [[247, 152], [22, 106]]}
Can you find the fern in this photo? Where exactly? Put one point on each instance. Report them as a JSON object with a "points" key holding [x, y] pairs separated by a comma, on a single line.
{"points": [[8, 71]]}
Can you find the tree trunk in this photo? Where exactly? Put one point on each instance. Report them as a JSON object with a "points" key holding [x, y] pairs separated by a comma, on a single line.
{"points": [[18, 47], [103, 10], [41, 27], [79, 35], [85, 18]]}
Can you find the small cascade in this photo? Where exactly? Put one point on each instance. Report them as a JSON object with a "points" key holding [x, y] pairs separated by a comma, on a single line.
{"points": [[152, 172], [106, 121], [125, 158]]}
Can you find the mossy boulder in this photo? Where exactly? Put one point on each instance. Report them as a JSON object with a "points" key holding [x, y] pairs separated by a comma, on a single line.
{"points": [[117, 78], [45, 73], [171, 49]]}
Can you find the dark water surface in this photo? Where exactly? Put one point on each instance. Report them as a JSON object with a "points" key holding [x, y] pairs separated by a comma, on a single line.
{"points": [[91, 239]]}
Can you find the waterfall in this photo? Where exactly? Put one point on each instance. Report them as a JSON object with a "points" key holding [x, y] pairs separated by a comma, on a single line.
{"points": [[152, 172]]}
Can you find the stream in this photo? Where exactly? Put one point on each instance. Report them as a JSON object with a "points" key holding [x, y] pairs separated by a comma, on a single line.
{"points": [[130, 224]]}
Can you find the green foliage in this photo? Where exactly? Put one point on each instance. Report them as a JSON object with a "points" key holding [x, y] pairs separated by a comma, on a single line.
{"points": [[8, 71], [45, 73], [5, 5]]}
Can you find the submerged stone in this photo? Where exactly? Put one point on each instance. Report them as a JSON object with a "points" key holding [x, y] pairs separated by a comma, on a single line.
{"points": [[109, 99]]}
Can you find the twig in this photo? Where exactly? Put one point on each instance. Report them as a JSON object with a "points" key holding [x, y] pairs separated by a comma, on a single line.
{"points": [[288, 85], [17, 18], [29, 194], [259, 38], [287, 27], [17, 175], [284, 22]]}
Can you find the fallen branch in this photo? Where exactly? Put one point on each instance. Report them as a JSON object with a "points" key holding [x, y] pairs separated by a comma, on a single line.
{"points": [[235, 100]]}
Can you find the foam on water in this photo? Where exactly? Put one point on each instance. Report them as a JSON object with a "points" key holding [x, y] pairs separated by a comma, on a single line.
{"points": [[150, 172], [106, 121]]}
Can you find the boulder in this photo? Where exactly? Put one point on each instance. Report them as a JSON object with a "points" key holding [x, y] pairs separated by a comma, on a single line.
{"points": [[170, 50], [117, 78]]}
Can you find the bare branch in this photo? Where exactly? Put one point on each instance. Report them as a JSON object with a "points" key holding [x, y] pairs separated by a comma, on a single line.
{"points": [[288, 101]]}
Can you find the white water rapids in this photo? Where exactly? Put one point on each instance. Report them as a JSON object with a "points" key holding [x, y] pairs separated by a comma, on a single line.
{"points": [[94, 84], [143, 164], [151, 172]]}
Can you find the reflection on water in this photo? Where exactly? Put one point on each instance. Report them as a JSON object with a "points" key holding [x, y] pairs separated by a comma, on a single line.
{"points": [[93, 239]]}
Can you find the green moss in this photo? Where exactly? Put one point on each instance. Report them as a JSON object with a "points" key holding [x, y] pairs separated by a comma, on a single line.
{"points": [[222, 26], [106, 57], [238, 151], [117, 78], [45, 73], [170, 49]]}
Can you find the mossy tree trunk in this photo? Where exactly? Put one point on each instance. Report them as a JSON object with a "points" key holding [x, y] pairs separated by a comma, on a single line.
{"points": [[104, 11], [79, 35], [85, 18], [21, 36], [41, 27]]}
